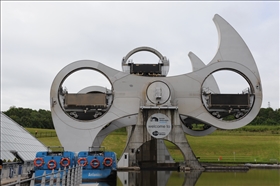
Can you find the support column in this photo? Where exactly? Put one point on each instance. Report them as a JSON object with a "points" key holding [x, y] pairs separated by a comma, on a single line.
{"points": [[139, 135]]}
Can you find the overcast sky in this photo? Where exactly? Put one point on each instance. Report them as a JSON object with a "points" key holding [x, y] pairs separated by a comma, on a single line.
{"points": [[38, 39]]}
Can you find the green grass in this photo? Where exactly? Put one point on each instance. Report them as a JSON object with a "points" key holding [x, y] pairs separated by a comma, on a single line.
{"points": [[33, 130], [253, 130], [115, 142], [234, 146], [50, 141], [243, 147], [47, 141]]}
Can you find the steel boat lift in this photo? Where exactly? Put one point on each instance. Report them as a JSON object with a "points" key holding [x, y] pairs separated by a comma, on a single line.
{"points": [[154, 106]]}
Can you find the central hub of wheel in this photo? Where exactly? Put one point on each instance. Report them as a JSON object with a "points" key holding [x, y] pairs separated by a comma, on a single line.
{"points": [[158, 93]]}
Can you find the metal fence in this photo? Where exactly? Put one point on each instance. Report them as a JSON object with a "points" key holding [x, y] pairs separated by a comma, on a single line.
{"points": [[67, 177], [226, 159], [44, 134], [12, 169]]}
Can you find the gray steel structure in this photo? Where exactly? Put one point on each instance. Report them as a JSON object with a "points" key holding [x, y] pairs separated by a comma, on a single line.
{"points": [[138, 92]]}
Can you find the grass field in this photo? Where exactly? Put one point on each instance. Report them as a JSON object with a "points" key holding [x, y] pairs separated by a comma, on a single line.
{"points": [[260, 145]]}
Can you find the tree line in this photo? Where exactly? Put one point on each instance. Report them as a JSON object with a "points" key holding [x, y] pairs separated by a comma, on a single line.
{"points": [[267, 116], [30, 118]]}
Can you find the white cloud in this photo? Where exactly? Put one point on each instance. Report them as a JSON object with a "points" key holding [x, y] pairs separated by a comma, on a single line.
{"points": [[38, 39]]}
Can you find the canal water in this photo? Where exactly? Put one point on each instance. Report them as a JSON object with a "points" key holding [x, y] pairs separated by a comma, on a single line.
{"points": [[252, 177]]}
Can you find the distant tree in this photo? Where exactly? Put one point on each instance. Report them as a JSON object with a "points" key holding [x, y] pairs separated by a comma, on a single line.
{"points": [[267, 116], [27, 117]]}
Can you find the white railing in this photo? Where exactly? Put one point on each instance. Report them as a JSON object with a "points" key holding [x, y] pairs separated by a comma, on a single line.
{"points": [[11, 170], [70, 177]]}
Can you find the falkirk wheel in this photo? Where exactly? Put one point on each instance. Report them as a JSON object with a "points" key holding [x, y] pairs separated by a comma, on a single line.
{"points": [[155, 107]]}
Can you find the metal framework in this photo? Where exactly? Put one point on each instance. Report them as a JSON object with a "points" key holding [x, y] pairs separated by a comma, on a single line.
{"points": [[185, 100]]}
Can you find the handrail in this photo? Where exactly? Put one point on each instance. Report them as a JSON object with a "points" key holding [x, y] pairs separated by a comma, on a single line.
{"points": [[74, 177]]}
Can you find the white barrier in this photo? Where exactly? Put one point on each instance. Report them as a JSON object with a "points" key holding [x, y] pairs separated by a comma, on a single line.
{"points": [[11, 170], [74, 177]]}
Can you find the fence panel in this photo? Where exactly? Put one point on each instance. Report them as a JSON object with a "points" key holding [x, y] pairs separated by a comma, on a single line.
{"points": [[72, 178], [44, 134]]}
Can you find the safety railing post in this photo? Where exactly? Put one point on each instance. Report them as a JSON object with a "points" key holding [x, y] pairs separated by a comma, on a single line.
{"points": [[18, 180], [81, 174], [72, 175], [51, 178], [43, 182], [76, 175], [68, 177], [58, 178], [32, 182], [63, 176]]}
